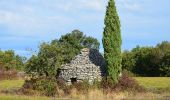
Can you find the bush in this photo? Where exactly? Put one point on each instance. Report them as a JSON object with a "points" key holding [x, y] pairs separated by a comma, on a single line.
{"points": [[43, 86], [51, 88], [125, 83], [58, 52], [128, 83], [48, 87], [148, 61], [9, 60], [82, 87], [8, 74]]}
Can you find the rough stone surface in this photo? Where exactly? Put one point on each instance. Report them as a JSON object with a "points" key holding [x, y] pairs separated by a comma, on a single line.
{"points": [[89, 65]]}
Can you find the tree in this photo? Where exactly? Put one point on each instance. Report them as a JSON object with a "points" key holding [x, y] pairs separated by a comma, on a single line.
{"points": [[128, 61], [112, 42], [143, 65], [148, 61], [47, 62], [165, 65], [52, 55], [9, 60], [79, 41], [90, 42], [75, 38], [164, 47]]}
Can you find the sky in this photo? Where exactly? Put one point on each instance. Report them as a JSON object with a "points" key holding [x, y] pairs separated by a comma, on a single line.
{"points": [[24, 24]]}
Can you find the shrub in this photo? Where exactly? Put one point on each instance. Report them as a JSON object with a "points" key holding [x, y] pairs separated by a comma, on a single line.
{"points": [[10, 60], [43, 86], [148, 61], [125, 83], [8, 74], [82, 87], [62, 86], [128, 83]]}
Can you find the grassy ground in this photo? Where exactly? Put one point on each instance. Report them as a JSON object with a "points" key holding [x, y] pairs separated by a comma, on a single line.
{"points": [[17, 97], [11, 84], [151, 83], [155, 83]]}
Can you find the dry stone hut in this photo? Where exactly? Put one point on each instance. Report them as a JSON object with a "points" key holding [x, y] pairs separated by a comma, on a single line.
{"points": [[89, 65]]}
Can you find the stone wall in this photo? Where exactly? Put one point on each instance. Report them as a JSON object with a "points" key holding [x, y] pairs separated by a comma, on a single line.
{"points": [[88, 65]]}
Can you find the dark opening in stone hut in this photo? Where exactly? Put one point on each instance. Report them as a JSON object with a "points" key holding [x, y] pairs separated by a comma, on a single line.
{"points": [[89, 65]]}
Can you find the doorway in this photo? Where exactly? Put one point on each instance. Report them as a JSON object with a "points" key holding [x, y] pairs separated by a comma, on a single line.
{"points": [[73, 80]]}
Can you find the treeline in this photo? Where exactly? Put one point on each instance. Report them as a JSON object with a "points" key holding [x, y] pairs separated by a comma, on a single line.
{"points": [[10, 64], [148, 61], [9, 60], [140, 61]]}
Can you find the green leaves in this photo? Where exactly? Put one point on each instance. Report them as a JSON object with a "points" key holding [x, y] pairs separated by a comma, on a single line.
{"points": [[52, 55], [9, 60], [112, 42], [148, 61], [77, 40]]}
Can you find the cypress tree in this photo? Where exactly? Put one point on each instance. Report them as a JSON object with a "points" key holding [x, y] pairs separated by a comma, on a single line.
{"points": [[112, 42]]}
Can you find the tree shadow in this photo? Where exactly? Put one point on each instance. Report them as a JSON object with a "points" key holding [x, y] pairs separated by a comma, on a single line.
{"points": [[97, 59]]}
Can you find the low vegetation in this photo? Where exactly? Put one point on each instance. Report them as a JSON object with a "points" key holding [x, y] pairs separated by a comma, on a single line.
{"points": [[94, 93], [8, 74], [19, 97], [11, 84], [155, 84], [9, 60], [148, 61]]}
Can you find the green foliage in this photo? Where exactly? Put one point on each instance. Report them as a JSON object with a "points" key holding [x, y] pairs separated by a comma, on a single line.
{"points": [[47, 62], [143, 61], [112, 42], [43, 68], [31, 66], [9, 60], [42, 86], [48, 87], [165, 65], [77, 40], [148, 61], [52, 55], [90, 42], [128, 62]]}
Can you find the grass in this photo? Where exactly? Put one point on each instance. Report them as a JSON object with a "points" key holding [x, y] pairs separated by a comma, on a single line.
{"points": [[155, 83], [11, 84], [92, 95], [17, 97]]}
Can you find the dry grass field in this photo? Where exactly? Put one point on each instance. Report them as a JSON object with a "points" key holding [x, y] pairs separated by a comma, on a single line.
{"points": [[151, 83]]}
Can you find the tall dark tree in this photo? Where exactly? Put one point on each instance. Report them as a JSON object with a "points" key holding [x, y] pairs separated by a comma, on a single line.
{"points": [[112, 42]]}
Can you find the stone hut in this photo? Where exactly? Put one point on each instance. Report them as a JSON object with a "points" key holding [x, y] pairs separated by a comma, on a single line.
{"points": [[89, 65]]}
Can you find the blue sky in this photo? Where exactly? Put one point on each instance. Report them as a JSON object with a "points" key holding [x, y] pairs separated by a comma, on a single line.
{"points": [[24, 24]]}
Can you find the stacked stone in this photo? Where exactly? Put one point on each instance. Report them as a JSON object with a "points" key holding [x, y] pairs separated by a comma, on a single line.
{"points": [[88, 65]]}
